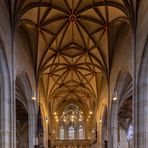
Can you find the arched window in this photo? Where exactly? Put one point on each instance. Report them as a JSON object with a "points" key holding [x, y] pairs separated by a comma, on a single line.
{"points": [[81, 132], [130, 133], [71, 132], [62, 133]]}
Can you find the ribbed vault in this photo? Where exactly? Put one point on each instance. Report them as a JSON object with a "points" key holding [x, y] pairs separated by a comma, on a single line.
{"points": [[69, 44]]}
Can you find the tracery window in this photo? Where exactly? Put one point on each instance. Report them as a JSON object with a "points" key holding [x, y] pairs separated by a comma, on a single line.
{"points": [[130, 133], [81, 132], [62, 133], [71, 123], [71, 133]]}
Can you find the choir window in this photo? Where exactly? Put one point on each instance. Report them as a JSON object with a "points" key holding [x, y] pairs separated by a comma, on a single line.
{"points": [[81, 132], [61, 133], [71, 133]]}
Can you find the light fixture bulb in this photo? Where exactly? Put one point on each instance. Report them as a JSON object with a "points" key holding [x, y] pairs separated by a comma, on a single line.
{"points": [[80, 119], [33, 96], [115, 97], [90, 112], [93, 131], [46, 119], [53, 131], [100, 121], [55, 113]]}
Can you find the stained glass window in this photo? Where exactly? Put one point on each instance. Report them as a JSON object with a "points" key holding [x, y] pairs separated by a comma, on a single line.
{"points": [[61, 133], [81, 132], [71, 133], [130, 133]]}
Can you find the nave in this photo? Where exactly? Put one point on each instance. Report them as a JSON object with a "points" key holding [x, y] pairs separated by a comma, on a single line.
{"points": [[73, 74]]}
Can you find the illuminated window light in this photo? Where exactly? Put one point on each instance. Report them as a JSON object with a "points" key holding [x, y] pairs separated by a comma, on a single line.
{"points": [[130, 133]]}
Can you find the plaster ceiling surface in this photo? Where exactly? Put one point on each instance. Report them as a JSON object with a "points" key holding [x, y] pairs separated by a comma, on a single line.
{"points": [[70, 44]]}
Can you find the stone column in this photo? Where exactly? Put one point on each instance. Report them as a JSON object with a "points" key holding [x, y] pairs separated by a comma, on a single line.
{"points": [[140, 104], [99, 131], [7, 133], [65, 132], [6, 130], [75, 133], [113, 130]]}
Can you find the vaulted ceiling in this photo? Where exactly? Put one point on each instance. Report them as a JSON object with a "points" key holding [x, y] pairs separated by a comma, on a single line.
{"points": [[70, 44]]}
